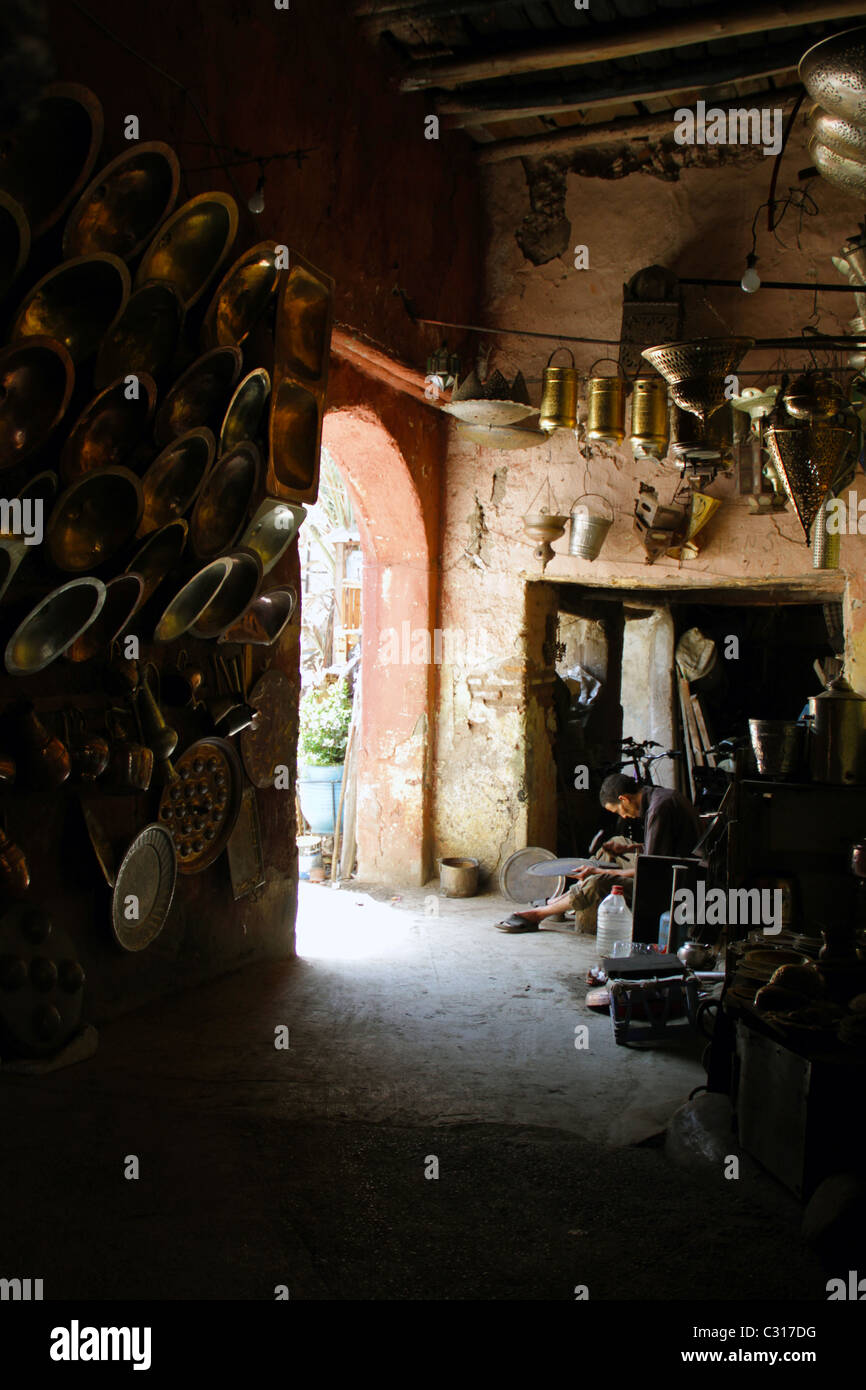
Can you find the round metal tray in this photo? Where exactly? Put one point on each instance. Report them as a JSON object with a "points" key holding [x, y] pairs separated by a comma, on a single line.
{"points": [[207, 795], [522, 887], [148, 871]]}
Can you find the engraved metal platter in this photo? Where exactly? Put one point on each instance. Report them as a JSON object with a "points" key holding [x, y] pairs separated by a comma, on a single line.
{"points": [[513, 880], [244, 848], [200, 807], [268, 744], [148, 872]]}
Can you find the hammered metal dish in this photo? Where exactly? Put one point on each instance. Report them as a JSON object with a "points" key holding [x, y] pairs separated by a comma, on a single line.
{"points": [[242, 297], [53, 625], [834, 74], [295, 439], [174, 479], [191, 600], [93, 518], [246, 411], [144, 338], [123, 205], [200, 396], [269, 743], [122, 598], [233, 597], [223, 504], [155, 560], [189, 248], [272, 530], [37, 377], [77, 303], [148, 873], [108, 430], [305, 321], [516, 883], [265, 619], [807, 461], [46, 161], [14, 241], [201, 806], [245, 850]]}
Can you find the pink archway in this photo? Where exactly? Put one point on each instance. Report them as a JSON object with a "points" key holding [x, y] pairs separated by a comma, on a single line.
{"points": [[393, 783]]}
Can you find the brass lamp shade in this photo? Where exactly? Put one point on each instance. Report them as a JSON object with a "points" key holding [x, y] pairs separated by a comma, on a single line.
{"points": [[93, 518], [174, 479], [244, 294], [47, 160], [696, 371], [37, 377], [123, 205], [807, 461], [144, 337], [200, 395], [76, 303], [224, 502], [53, 625], [189, 248], [108, 429], [834, 74]]}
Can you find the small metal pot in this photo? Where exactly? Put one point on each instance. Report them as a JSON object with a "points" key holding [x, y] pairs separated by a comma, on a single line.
{"points": [[694, 956]]}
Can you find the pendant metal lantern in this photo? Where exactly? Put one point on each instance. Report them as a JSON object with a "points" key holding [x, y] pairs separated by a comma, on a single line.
{"points": [[559, 395], [605, 399]]}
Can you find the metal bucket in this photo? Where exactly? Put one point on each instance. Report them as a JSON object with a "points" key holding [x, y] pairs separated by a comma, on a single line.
{"points": [[778, 746], [458, 878], [589, 526], [559, 396], [649, 417], [605, 407]]}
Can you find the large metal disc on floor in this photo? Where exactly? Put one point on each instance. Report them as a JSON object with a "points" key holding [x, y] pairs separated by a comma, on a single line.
{"points": [[515, 880]]}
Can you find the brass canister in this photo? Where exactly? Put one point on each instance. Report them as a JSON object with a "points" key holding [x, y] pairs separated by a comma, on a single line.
{"points": [[649, 417], [605, 417], [559, 396]]}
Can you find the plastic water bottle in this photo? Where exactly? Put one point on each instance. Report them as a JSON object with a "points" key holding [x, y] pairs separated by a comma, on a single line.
{"points": [[614, 923]]}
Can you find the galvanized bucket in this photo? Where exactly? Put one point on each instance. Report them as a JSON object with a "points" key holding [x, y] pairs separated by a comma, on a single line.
{"points": [[591, 519], [458, 878]]}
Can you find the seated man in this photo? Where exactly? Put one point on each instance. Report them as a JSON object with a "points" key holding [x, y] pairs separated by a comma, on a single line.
{"points": [[671, 827]]}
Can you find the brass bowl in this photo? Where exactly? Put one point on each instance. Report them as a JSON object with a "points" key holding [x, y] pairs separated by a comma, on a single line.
{"points": [[838, 134], [36, 382], [48, 160], [108, 429], [200, 395], [243, 295], [125, 203], [76, 303], [233, 597], [243, 419], [841, 170], [223, 503], [122, 599], [14, 241], [93, 518], [53, 625], [154, 560], [191, 601], [144, 338], [272, 530], [295, 440], [189, 248], [305, 321], [264, 620], [174, 479], [834, 74]]}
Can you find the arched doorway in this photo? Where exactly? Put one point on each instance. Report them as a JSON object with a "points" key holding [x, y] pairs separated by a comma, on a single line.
{"points": [[393, 759]]}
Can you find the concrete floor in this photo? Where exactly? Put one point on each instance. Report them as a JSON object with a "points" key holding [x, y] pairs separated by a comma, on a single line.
{"points": [[416, 1031]]}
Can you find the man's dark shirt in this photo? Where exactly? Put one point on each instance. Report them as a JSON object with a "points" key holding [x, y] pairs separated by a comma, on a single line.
{"points": [[671, 825]]}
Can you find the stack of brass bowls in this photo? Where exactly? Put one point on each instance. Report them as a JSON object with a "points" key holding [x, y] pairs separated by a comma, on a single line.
{"points": [[834, 74]]}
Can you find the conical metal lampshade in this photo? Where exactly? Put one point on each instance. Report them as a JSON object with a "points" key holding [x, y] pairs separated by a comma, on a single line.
{"points": [[696, 371], [807, 461]]}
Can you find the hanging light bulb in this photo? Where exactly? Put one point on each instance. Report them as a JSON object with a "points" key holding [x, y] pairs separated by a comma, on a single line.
{"points": [[751, 280], [256, 203]]}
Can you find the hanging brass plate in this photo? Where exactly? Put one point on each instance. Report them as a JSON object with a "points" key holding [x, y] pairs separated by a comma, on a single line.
{"points": [[189, 248], [123, 205]]}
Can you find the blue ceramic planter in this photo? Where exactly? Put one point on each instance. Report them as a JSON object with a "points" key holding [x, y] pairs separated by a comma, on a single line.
{"points": [[319, 793]]}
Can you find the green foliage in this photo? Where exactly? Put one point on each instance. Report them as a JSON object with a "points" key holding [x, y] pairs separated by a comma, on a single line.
{"points": [[325, 716]]}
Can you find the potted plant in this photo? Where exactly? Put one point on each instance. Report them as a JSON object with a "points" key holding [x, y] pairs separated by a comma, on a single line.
{"points": [[323, 731]]}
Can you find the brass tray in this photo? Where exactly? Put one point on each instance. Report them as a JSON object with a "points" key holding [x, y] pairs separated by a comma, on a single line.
{"points": [[300, 381], [191, 245], [243, 295], [244, 849], [268, 743], [148, 871], [200, 807]]}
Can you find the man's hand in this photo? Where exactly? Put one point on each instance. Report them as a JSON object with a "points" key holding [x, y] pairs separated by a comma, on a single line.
{"points": [[619, 845]]}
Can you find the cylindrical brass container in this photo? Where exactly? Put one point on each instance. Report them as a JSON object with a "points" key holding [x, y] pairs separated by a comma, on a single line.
{"points": [[605, 409], [649, 417], [559, 396]]}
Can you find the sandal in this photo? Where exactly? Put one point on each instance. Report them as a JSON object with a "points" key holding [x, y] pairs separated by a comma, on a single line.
{"points": [[515, 924]]}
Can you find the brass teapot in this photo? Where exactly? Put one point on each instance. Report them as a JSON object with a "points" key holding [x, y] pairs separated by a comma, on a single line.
{"points": [[814, 396]]}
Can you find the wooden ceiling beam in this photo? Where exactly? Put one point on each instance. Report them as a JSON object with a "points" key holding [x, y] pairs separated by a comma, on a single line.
{"points": [[379, 16], [688, 26], [659, 124]]}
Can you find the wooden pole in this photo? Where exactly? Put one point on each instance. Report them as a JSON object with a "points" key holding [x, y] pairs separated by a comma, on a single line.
{"points": [[335, 853]]}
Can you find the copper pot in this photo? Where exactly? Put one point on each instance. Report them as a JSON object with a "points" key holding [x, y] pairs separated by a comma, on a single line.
{"points": [[130, 765]]}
